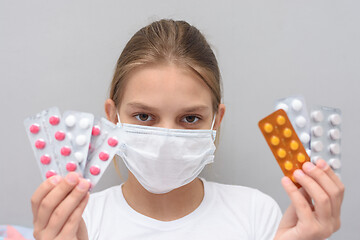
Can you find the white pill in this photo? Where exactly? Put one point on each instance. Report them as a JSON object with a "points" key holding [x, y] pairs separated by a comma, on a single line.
{"points": [[305, 138], [315, 159], [300, 121], [334, 134], [79, 156], [70, 120], [335, 119], [335, 163], [282, 106], [80, 140], [334, 148], [317, 131], [317, 146], [84, 123], [297, 105], [317, 116]]}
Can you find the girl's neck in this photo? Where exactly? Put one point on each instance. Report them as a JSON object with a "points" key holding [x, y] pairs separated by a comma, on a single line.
{"points": [[164, 207]]}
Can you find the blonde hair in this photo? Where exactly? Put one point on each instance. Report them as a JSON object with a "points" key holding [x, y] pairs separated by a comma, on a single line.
{"points": [[168, 41]]}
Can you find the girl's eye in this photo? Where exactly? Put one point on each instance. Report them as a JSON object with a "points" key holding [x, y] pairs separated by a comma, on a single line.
{"points": [[191, 119], [143, 117]]}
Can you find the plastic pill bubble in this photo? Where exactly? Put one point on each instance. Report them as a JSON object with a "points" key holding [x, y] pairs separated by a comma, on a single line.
{"points": [[335, 119], [71, 166], [45, 159], [317, 116], [59, 135], [305, 138], [288, 165], [103, 156], [34, 128], [268, 127], [300, 121], [294, 145], [54, 120], [335, 163], [334, 134], [95, 131], [50, 173], [70, 121], [287, 132], [280, 120], [317, 146], [40, 144], [281, 153], [79, 156], [296, 105], [282, 106], [317, 131], [275, 140], [65, 151], [334, 148], [84, 123], [94, 170], [300, 157], [112, 141], [80, 140]]}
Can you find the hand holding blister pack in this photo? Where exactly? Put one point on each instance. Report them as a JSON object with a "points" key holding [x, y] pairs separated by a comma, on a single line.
{"points": [[71, 143]]}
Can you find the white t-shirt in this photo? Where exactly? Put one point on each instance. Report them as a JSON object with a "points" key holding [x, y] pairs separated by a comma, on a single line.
{"points": [[226, 212]]}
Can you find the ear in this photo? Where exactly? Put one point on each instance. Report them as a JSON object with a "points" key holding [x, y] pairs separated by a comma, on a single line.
{"points": [[219, 116], [110, 110]]}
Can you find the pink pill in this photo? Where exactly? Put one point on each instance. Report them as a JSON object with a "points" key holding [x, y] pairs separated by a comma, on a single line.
{"points": [[45, 159], [34, 128], [54, 120], [65, 151], [95, 131], [94, 170], [112, 141], [71, 166], [103, 156], [59, 135], [50, 173], [40, 144]]}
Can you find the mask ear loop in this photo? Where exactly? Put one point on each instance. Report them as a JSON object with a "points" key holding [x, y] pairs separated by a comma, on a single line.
{"points": [[212, 127], [118, 117]]}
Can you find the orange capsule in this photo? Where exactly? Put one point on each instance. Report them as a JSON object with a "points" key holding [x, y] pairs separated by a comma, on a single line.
{"points": [[294, 145], [288, 165], [275, 140], [268, 127], [280, 120], [300, 157], [281, 153], [287, 132]]}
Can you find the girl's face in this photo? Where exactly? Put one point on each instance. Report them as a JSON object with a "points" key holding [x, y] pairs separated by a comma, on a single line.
{"points": [[166, 96]]}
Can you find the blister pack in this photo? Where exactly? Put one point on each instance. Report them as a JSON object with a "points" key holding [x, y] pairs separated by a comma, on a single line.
{"points": [[78, 126], [296, 110], [284, 143], [104, 145], [326, 136]]}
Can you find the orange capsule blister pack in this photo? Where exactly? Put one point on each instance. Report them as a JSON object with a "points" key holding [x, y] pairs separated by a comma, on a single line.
{"points": [[284, 142]]}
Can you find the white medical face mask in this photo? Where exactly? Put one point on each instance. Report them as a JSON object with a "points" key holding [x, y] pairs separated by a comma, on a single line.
{"points": [[164, 159]]}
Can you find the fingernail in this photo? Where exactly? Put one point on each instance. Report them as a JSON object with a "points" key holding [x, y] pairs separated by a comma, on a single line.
{"points": [[55, 179], [71, 178], [83, 185], [321, 164], [298, 173], [308, 166]]}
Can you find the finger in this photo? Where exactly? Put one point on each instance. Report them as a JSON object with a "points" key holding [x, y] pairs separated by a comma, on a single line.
{"points": [[335, 178], [64, 210], [302, 207], [53, 199], [321, 199], [323, 179], [42, 191], [71, 227]]}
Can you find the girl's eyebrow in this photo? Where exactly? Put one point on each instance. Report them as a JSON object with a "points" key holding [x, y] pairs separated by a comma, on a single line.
{"points": [[143, 106]]}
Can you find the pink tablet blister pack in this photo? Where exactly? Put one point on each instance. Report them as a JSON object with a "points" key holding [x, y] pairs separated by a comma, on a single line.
{"points": [[74, 142], [103, 147], [326, 136]]}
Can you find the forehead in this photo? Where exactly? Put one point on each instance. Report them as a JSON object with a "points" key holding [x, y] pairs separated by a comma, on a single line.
{"points": [[166, 85]]}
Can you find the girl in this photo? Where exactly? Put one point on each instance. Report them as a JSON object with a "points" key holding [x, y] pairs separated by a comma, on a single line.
{"points": [[166, 96]]}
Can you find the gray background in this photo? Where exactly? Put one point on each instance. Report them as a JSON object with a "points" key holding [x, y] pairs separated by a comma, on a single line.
{"points": [[63, 53]]}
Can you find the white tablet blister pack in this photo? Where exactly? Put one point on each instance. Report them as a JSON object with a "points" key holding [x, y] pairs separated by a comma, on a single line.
{"points": [[296, 110], [103, 147], [326, 136], [78, 126]]}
